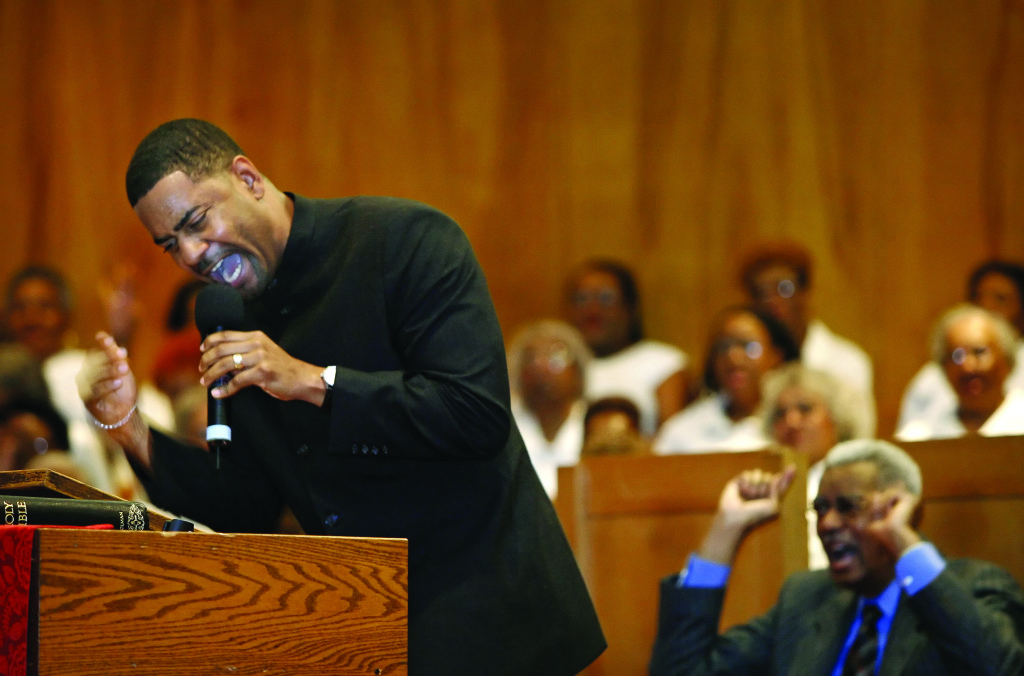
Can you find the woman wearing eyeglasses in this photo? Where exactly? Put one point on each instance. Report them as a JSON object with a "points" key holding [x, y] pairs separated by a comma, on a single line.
{"points": [[744, 345]]}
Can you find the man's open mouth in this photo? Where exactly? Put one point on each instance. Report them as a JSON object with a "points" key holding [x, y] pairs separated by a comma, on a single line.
{"points": [[228, 269]]}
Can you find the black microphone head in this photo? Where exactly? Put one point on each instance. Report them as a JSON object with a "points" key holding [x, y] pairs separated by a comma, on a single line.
{"points": [[218, 307]]}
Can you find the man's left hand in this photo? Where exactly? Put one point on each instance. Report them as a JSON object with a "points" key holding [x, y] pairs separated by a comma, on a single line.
{"points": [[253, 359], [892, 513]]}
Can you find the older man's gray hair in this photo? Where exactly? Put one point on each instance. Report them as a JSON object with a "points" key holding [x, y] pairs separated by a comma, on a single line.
{"points": [[894, 465], [549, 329], [1005, 333]]}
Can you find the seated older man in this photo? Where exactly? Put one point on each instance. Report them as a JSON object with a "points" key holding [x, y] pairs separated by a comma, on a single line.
{"points": [[976, 350], [889, 602]]}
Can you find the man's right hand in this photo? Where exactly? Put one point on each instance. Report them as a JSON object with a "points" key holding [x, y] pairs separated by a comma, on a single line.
{"points": [[750, 499], [108, 389]]}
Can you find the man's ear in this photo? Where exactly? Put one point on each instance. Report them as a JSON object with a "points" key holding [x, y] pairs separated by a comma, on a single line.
{"points": [[243, 169], [917, 517]]}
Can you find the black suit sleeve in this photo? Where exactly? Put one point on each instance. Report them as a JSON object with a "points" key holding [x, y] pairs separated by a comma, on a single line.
{"points": [[688, 643], [450, 400]]}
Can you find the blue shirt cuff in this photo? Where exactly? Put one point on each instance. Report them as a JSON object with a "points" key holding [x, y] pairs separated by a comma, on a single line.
{"points": [[918, 566], [703, 573]]}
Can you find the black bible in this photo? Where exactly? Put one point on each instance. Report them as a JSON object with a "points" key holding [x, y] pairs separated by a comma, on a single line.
{"points": [[23, 510]]}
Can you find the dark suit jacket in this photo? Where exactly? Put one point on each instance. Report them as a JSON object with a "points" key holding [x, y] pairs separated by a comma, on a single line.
{"points": [[969, 620], [418, 441]]}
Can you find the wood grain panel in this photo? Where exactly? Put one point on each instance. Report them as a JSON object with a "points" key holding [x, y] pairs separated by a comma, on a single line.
{"points": [[203, 604], [974, 497], [886, 136]]}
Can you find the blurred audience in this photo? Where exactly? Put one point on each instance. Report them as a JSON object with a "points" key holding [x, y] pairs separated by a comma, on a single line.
{"points": [[603, 303], [176, 367], [38, 314], [33, 435], [547, 361], [997, 286], [744, 344], [811, 411], [612, 427], [777, 277], [976, 350], [21, 376]]}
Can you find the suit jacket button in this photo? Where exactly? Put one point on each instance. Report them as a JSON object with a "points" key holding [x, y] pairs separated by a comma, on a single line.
{"points": [[302, 450], [375, 451], [365, 450], [285, 310], [330, 520]]}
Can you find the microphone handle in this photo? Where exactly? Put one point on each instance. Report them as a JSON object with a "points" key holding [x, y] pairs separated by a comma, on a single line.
{"points": [[218, 429]]}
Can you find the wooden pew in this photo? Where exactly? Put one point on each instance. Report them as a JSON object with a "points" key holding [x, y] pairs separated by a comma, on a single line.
{"points": [[634, 520], [974, 497]]}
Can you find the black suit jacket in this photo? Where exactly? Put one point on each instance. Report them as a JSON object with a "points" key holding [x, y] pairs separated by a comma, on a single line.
{"points": [[418, 441], [969, 620]]}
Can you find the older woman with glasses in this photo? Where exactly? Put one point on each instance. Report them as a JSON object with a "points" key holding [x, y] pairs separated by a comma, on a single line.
{"points": [[744, 345], [547, 362]]}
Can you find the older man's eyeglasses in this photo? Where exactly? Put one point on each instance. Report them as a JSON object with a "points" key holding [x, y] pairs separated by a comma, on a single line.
{"points": [[846, 506], [980, 353], [784, 288]]}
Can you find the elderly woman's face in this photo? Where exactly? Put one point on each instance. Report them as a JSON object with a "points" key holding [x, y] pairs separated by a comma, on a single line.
{"points": [[548, 373], [801, 420]]}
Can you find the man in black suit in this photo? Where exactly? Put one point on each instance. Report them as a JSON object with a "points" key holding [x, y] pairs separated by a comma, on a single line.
{"points": [[371, 398], [889, 604]]}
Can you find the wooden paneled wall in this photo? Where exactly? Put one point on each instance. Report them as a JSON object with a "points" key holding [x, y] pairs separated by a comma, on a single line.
{"points": [[887, 136]]}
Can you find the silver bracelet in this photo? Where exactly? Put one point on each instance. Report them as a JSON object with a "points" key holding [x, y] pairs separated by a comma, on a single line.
{"points": [[119, 423]]}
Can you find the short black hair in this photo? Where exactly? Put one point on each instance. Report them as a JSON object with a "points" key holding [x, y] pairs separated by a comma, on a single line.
{"points": [[1012, 271], [612, 405], [627, 286], [780, 336], [790, 254], [47, 274], [194, 147], [45, 412]]}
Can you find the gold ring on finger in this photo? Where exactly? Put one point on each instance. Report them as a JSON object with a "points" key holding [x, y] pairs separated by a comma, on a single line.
{"points": [[237, 359]]}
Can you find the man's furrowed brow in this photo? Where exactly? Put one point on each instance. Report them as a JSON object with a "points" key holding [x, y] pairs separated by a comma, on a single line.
{"points": [[160, 241]]}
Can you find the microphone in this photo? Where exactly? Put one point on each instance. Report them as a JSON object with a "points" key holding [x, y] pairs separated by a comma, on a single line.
{"points": [[218, 308]]}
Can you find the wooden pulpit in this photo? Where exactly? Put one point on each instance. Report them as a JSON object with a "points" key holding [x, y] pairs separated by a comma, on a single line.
{"points": [[111, 603]]}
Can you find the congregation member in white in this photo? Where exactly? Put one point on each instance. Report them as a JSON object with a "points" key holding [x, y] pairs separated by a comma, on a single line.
{"points": [[603, 303], [811, 411], [997, 286], [546, 364], [778, 278], [744, 344], [976, 350]]}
